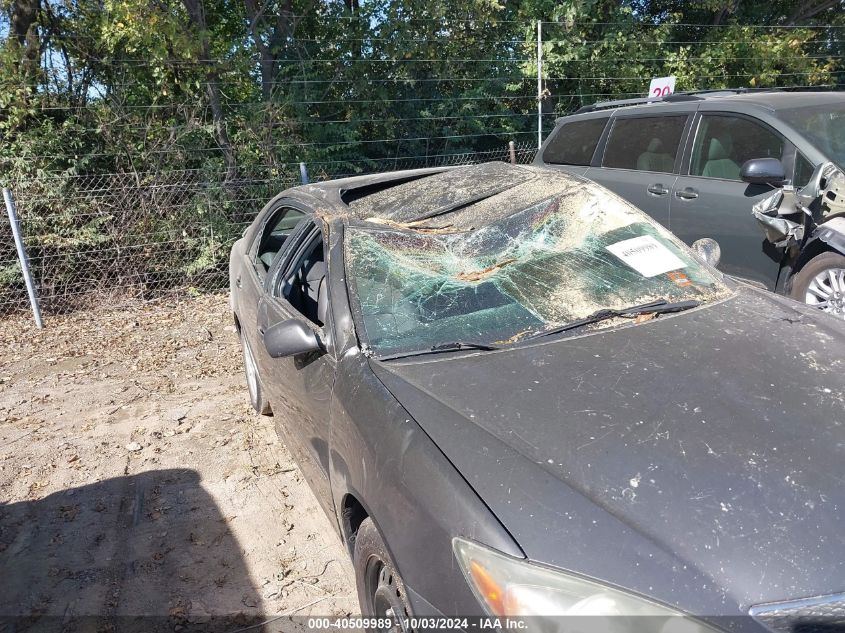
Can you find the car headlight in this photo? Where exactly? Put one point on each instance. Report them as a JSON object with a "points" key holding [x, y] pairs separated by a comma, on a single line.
{"points": [[549, 600]]}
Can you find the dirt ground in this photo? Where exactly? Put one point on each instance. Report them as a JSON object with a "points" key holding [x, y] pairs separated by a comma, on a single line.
{"points": [[137, 481]]}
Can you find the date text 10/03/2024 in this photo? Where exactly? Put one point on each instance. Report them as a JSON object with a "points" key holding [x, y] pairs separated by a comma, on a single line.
{"points": [[418, 624]]}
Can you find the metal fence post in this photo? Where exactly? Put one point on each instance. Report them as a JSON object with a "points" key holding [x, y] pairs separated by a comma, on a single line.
{"points": [[512, 151], [303, 173], [539, 84], [22, 258]]}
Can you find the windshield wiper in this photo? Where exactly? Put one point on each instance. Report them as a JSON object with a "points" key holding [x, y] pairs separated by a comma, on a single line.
{"points": [[660, 306], [453, 346]]}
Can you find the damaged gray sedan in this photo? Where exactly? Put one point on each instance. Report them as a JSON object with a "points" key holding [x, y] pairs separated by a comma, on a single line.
{"points": [[518, 397]]}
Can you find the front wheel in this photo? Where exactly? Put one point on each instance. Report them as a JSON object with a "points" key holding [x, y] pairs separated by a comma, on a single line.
{"points": [[381, 592], [821, 284], [256, 393]]}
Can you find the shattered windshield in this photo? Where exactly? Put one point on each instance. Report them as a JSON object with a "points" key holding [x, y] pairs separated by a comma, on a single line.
{"points": [[558, 260]]}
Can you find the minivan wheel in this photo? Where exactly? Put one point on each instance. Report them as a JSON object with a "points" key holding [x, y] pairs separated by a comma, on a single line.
{"points": [[821, 284], [381, 592], [256, 394]]}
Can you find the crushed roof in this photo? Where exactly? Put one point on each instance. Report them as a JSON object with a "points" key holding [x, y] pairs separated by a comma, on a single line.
{"points": [[441, 193]]}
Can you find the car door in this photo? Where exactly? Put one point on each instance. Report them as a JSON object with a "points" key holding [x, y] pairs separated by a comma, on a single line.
{"points": [[710, 199], [299, 387], [641, 158], [267, 244]]}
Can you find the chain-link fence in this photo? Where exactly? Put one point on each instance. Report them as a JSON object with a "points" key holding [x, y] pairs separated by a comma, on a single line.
{"points": [[109, 237], [136, 160], [10, 270]]}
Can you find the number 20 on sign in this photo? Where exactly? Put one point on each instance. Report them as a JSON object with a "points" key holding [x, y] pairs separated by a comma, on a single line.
{"points": [[661, 87]]}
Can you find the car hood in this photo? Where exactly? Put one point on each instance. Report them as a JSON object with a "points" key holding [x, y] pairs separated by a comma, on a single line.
{"points": [[697, 458]]}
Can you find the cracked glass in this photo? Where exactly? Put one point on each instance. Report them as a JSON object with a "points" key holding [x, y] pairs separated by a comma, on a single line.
{"points": [[556, 260]]}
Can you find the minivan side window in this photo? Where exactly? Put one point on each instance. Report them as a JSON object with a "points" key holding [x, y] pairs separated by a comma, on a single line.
{"points": [[575, 142], [723, 143], [645, 143]]}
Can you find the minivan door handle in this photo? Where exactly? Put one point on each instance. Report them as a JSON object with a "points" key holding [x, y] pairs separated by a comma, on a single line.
{"points": [[688, 193], [657, 189]]}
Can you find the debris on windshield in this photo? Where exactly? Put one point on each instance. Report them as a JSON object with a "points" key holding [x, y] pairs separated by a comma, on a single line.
{"points": [[515, 338], [478, 275], [680, 279], [642, 318], [418, 226], [538, 256]]}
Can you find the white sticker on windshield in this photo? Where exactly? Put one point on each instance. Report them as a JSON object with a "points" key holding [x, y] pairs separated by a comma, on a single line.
{"points": [[646, 255]]}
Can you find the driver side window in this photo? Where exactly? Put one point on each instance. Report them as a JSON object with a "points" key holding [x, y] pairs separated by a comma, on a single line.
{"points": [[274, 234], [725, 142], [304, 285]]}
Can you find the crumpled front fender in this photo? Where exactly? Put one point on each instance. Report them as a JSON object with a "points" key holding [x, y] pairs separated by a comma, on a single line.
{"points": [[778, 230]]}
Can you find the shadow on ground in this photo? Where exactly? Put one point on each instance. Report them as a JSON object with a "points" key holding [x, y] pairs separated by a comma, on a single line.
{"points": [[147, 552]]}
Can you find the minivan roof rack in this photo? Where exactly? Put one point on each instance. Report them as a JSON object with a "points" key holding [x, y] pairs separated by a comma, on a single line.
{"points": [[689, 95], [620, 103]]}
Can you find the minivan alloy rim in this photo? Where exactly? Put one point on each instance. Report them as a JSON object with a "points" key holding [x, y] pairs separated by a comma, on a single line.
{"points": [[827, 292]]}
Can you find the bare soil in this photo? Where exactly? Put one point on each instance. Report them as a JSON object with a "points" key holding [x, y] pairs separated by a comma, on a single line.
{"points": [[137, 481]]}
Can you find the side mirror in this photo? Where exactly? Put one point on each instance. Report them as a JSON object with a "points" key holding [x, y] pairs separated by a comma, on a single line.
{"points": [[708, 249], [763, 171], [289, 338]]}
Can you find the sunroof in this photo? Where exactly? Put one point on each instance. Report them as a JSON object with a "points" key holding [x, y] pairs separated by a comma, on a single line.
{"points": [[440, 193], [349, 196]]}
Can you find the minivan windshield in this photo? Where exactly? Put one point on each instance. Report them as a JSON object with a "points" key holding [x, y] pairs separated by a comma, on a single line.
{"points": [[558, 260], [823, 126]]}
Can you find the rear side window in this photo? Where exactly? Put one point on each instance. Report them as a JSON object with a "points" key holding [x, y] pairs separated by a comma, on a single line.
{"points": [[645, 143], [723, 143], [574, 143]]}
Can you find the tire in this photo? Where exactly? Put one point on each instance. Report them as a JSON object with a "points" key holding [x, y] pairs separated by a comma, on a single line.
{"points": [[253, 382], [821, 283], [381, 591]]}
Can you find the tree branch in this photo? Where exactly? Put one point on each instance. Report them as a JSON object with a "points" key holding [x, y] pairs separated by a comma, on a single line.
{"points": [[812, 9]]}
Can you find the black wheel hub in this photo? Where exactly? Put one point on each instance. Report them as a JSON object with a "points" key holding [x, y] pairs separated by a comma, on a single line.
{"points": [[386, 596]]}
